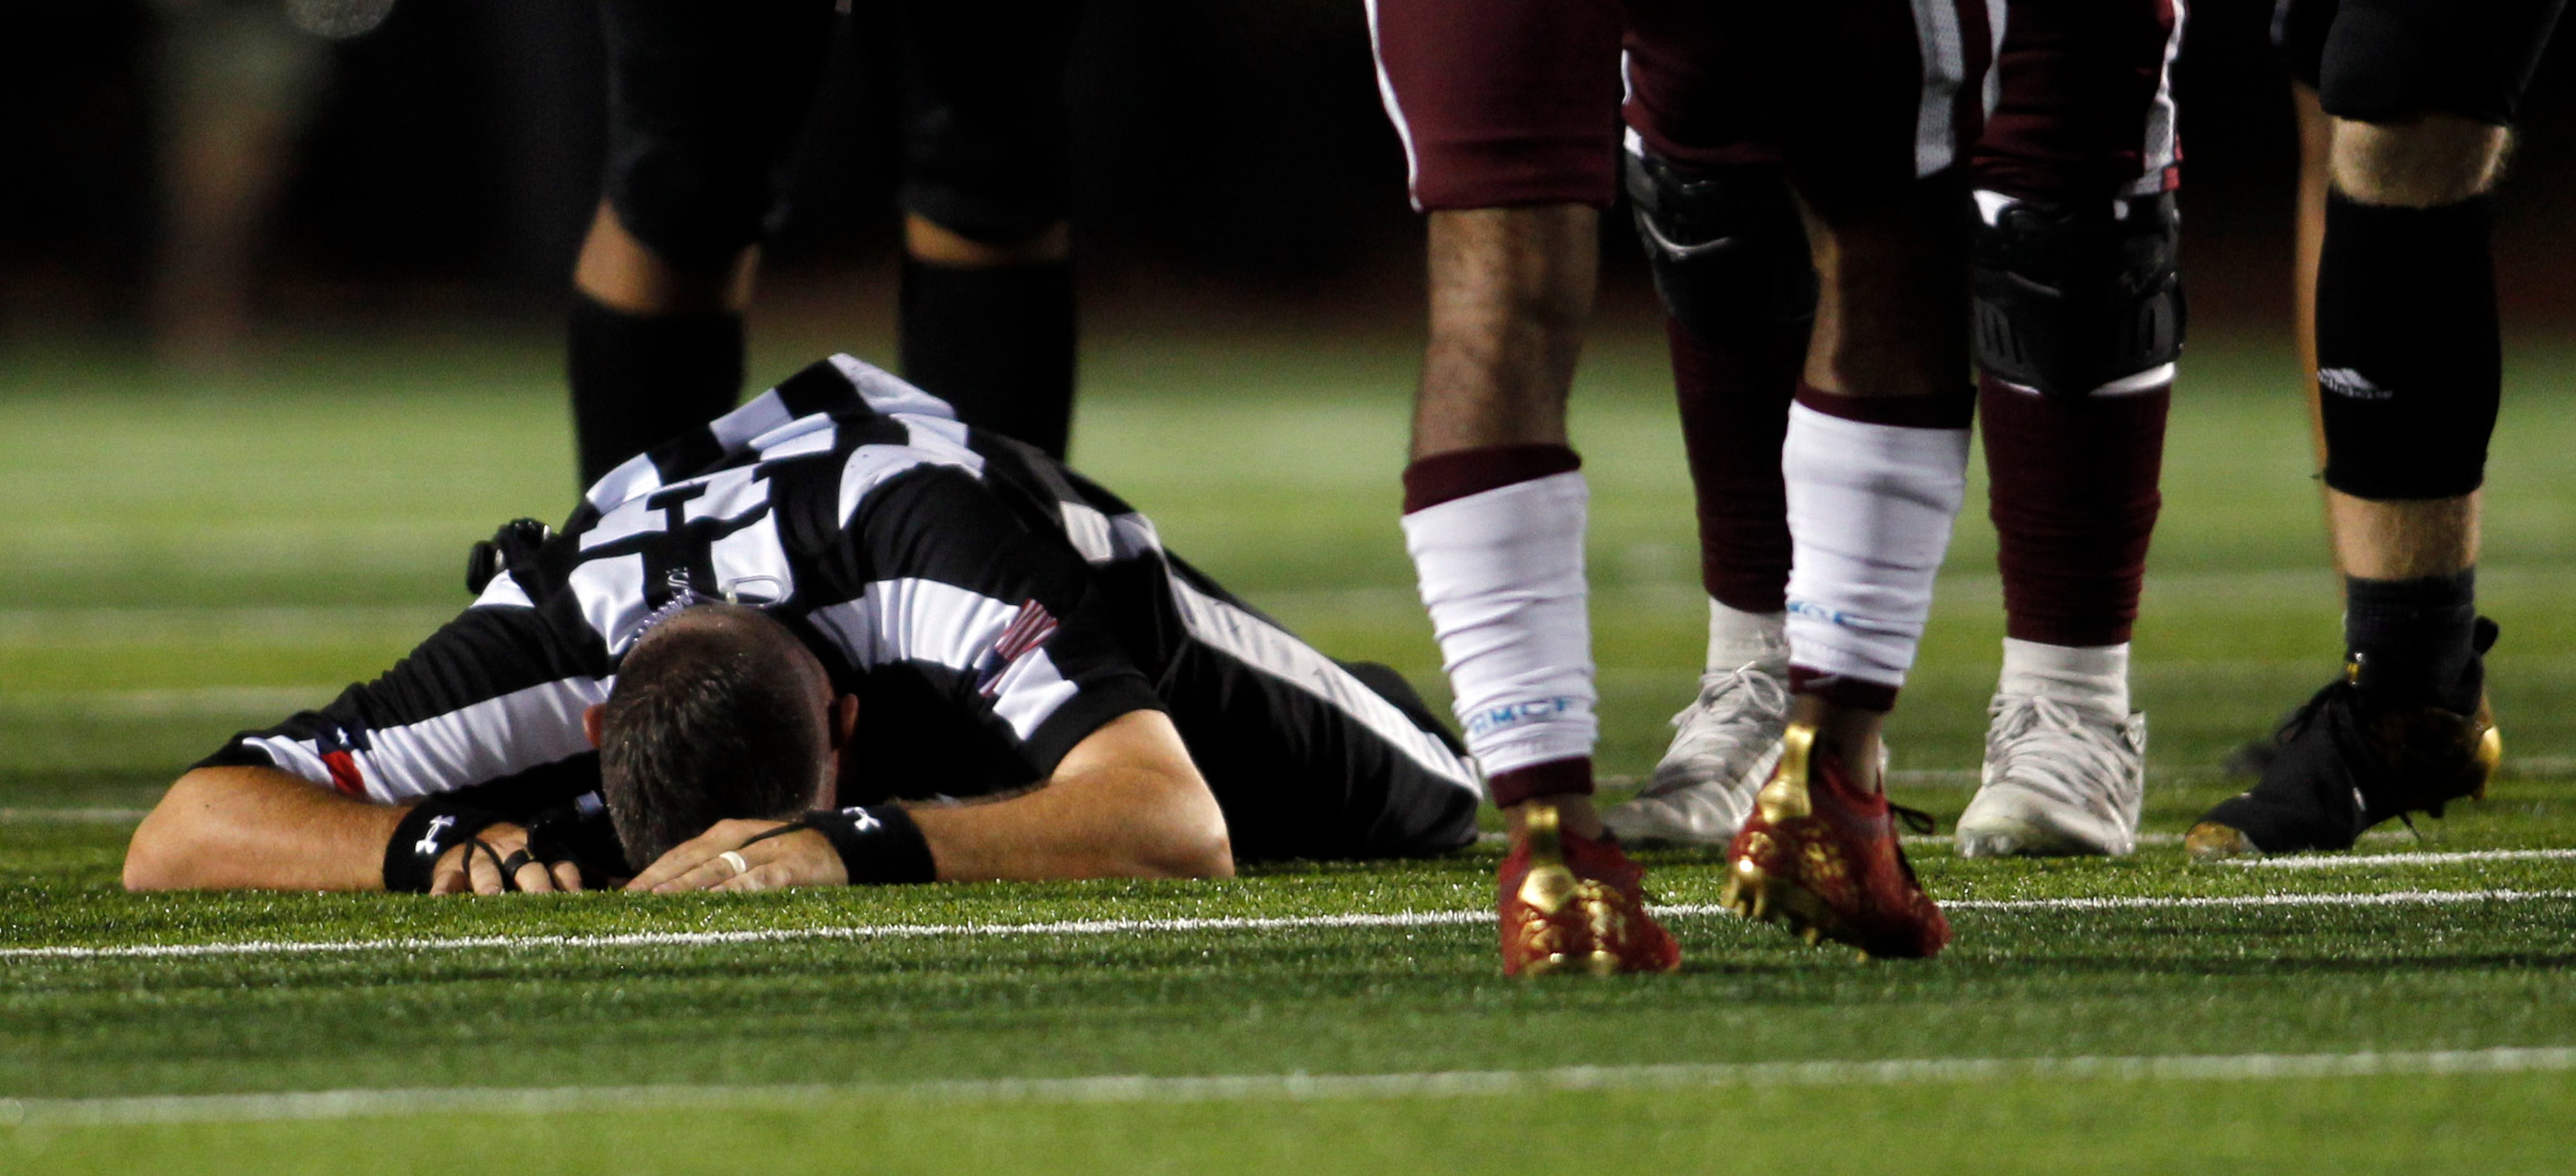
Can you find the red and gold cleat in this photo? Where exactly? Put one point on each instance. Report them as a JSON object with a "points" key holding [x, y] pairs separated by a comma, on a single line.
{"points": [[1821, 855], [1572, 904]]}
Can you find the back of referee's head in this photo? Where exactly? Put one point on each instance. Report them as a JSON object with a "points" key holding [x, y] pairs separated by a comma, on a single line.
{"points": [[719, 712]]}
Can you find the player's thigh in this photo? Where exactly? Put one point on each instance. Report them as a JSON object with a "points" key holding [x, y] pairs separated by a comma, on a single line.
{"points": [[1859, 98], [1309, 761], [1502, 103], [703, 100], [984, 125], [2084, 103], [2386, 61]]}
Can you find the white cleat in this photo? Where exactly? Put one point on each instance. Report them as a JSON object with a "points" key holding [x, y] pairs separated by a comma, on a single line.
{"points": [[2061, 779], [1723, 751]]}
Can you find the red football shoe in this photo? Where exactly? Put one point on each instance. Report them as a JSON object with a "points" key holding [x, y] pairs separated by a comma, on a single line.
{"points": [[1572, 904], [1821, 855]]}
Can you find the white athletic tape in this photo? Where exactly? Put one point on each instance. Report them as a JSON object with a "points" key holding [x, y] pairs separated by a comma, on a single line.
{"points": [[1125, 1088], [1401, 919]]}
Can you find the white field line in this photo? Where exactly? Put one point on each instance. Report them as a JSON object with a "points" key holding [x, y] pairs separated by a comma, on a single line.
{"points": [[1137, 1088], [70, 816], [2428, 858], [181, 702], [1400, 919]]}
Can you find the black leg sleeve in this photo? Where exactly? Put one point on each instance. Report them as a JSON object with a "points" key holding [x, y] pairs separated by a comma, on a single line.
{"points": [[638, 381], [997, 342]]}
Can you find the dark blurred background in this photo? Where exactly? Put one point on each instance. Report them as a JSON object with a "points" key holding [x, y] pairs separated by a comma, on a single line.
{"points": [[444, 164]]}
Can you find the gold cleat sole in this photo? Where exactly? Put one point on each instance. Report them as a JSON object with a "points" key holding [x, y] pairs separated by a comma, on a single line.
{"points": [[2210, 841]]}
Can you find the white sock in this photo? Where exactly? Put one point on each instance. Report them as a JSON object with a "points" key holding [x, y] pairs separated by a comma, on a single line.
{"points": [[2096, 677], [1869, 520], [1737, 638], [1502, 575]]}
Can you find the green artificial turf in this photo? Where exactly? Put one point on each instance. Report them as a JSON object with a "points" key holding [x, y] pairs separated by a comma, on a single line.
{"points": [[190, 560]]}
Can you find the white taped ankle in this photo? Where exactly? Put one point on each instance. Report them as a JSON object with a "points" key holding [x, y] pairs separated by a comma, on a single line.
{"points": [[1737, 638], [1502, 575], [1869, 520], [2096, 676]]}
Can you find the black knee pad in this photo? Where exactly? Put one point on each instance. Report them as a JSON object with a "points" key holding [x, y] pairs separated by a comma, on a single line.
{"points": [[1725, 244], [2070, 297], [2410, 361]]}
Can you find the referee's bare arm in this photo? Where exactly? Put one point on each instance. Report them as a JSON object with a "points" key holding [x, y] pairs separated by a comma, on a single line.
{"points": [[1126, 802], [253, 828]]}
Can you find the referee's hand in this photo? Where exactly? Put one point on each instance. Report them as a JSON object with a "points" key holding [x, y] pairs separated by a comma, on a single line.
{"points": [[718, 859], [477, 868]]}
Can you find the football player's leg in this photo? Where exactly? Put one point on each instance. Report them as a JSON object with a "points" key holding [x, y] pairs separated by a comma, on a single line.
{"points": [[987, 308], [702, 102], [1875, 459], [1503, 109], [2409, 375], [1722, 237], [2079, 321]]}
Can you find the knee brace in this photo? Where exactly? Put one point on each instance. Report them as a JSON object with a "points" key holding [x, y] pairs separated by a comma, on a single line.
{"points": [[1726, 245], [2070, 298], [2410, 361]]}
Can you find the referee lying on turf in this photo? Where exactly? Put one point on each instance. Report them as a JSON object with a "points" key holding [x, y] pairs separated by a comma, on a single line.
{"points": [[833, 636]]}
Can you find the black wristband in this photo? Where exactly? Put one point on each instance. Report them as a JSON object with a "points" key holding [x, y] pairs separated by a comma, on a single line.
{"points": [[879, 846], [427, 832]]}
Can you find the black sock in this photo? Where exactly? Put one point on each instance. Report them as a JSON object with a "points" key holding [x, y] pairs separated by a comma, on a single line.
{"points": [[996, 342], [639, 380], [2415, 640]]}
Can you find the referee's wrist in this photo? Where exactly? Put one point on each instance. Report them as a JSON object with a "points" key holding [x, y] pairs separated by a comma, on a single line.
{"points": [[879, 845], [425, 834]]}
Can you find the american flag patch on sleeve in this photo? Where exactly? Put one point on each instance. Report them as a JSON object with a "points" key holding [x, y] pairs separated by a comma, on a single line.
{"points": [[1027, 631]]}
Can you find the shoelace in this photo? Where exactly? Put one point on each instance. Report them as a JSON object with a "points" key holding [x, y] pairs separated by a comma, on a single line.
{"points": [[2087, 749], [1719, 741]]}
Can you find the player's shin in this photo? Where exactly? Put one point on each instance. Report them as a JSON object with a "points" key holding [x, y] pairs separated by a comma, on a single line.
{"points": [[996, 342], [1873, 486], [639, 380], [1496, 535], [2074, 498]]}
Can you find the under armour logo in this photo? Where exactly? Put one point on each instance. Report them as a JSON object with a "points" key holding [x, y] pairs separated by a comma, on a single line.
{"points": [[428, 845], [2344, 381], [862, 821]]}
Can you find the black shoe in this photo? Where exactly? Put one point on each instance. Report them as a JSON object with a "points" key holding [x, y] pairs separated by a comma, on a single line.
{"points": [[2355, 756]]}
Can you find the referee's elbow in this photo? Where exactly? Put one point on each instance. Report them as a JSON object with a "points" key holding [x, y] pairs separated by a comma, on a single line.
{"points": [[1190, 841], [169, 849]]}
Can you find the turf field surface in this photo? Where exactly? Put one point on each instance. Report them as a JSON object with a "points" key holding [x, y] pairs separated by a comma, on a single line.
{"points": [[196, 559]]}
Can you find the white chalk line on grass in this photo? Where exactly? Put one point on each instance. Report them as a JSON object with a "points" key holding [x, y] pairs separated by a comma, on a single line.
{"points": [[1400, 919], [1137, 1088], [2426, 858], [70, 816]]}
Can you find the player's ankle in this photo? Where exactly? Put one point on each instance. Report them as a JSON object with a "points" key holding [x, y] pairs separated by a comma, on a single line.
{"points": [[1847, 734], [1575, 815]]}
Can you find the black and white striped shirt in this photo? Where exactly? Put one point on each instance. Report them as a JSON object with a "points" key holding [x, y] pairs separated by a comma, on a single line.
{"points": [[989, 608]]}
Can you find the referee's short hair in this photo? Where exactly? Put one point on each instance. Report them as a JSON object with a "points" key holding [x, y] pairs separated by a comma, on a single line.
{"points": [[714, 716]]}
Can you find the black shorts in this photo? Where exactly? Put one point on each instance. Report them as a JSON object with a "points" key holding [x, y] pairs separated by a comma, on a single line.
{"points": [[2383, 61], [1309, 757], [704, 100]]}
